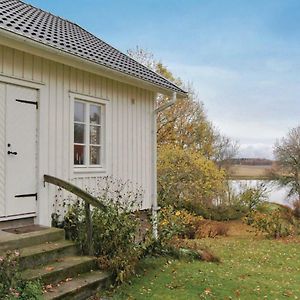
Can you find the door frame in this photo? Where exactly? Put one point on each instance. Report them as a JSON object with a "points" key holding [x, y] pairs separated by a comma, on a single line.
{"points": [[40, 90]]}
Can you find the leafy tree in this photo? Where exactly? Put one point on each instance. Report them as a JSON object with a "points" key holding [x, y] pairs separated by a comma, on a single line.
{"points": [[225, 149], [192, 153], [185, 124], [253, 197], [187, 177], [287, 155]]}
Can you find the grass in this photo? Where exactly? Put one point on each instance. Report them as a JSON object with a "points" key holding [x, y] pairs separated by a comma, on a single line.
{"points": [[249, 172], [251, 268]]}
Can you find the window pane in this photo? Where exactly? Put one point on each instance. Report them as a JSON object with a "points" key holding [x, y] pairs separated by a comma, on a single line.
{"points": [[79, 133], [95, 135], [94, 155], [95, 112], [79, 109], [78, 155]]}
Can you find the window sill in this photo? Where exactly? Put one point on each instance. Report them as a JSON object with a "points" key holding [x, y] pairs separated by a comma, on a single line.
{"points": [[89, 171]]}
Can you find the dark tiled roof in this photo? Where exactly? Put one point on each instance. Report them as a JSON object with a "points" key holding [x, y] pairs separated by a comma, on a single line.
{"points": [[53, 31]]}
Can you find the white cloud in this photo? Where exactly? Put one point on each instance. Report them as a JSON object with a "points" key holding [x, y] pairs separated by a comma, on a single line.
{"points": [[254, 106], [256, 150]]}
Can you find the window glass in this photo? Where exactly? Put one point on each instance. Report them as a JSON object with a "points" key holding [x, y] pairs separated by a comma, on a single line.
{"points": [[87, 134], [95, 114], [79, 111], [79, 133], [79, 155], [95, 135], [94, 155]]}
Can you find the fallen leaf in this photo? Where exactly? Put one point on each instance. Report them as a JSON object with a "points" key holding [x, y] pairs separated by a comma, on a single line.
{"points": [[49, 286]]}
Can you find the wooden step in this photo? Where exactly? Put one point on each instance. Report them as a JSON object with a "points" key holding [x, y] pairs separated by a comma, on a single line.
{"points": [[11, 241], [45, 255], [62, 268], [16, 223], [80, 287], [42, 254]]}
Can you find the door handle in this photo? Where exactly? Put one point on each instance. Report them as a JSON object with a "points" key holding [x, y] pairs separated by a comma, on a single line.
{"points": [[12, 153]]}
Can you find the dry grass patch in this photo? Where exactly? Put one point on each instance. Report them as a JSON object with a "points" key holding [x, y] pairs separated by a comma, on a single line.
{"points": [[249, 172], [211, 229], [239, 228]]}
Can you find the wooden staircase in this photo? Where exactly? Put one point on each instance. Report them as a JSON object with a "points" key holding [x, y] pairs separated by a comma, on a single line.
{"points": [[46, 255]]}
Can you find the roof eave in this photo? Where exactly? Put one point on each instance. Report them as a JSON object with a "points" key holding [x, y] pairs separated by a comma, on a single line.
{"points": [[26, 44]]}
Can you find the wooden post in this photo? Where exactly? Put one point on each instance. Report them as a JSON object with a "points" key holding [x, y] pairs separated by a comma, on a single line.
{"points": [[89, 228]]}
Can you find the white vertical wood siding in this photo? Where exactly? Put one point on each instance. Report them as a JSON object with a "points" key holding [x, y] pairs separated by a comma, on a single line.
{"points": [[2, 147], [129, 122]]}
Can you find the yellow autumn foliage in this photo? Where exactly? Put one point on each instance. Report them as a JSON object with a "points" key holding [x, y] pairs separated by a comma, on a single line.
{"points": [[186, 176]]}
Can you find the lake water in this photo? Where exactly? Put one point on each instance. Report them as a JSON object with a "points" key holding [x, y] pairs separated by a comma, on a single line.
{"points": [[275, 193]]}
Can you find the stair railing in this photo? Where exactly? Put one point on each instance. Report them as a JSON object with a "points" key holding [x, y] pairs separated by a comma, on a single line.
{"points": [[89, 201]]}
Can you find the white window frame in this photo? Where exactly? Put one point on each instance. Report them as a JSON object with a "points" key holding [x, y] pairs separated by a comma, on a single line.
{"points": [[87, 168]]}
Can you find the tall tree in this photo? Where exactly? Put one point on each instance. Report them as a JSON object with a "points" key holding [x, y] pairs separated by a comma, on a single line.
{"points": [[287, 155], [185, 124]]}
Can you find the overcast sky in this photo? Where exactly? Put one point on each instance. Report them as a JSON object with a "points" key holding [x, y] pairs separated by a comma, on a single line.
{"points": [[243, 57]]}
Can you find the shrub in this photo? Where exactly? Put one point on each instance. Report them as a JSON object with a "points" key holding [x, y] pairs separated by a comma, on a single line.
{"points": [[296, 208], [113, 236], [233, 204], [187, 177], [176, 228], [252, 197], [177, 223], [170, 225], [29, 290], [11, 285], [221, 212], [9, 277], [114, 233], [230, 205], [74, 223], [181, 223], [114, 230], [275, 224]]}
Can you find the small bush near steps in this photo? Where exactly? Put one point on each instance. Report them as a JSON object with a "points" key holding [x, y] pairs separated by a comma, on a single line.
{"points": [[114, 232], [11, 285]]}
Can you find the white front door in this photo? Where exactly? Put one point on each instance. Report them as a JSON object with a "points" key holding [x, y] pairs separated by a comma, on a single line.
{"points": [[21, 151]]}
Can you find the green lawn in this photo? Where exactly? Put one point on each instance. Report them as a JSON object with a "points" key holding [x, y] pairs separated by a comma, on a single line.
{"points": [[251, 268]]}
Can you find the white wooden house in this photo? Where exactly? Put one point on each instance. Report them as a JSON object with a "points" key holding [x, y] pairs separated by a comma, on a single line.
{"points": [[71, 106]]}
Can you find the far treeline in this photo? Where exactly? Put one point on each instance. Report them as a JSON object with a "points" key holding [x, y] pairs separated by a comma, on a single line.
{"points": [[251, 161]]}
